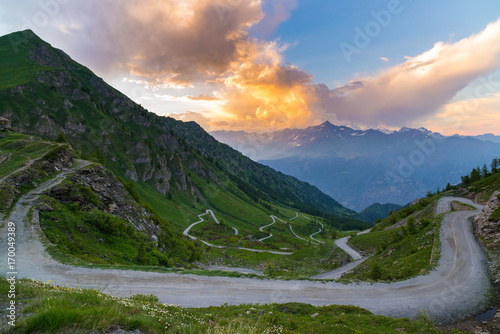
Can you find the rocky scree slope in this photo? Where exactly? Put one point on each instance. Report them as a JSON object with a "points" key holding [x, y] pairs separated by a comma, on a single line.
{"points": [[487, 226]]}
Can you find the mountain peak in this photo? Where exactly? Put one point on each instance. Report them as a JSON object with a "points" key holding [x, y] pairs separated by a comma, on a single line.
{"points": [[16, 39], [405, 129], [327, 123]]}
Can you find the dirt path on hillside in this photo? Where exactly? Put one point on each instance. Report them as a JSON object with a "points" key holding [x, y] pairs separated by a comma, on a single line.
{"points": [[454, 290], [24, 167]]}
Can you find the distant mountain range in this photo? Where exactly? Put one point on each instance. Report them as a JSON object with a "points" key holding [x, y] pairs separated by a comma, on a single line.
{"points": [[362, 167]]}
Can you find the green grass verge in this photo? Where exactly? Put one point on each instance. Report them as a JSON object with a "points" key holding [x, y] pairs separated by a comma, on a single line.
{"points": [[463, 206], [43, 308], [424, 208], [398, 254]]}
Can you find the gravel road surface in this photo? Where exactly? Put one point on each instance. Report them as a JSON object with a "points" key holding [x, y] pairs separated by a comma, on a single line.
{"points": [[454, 290]]}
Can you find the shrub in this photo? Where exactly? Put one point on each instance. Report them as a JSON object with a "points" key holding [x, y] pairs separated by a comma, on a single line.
{"points": [[376, 272], [410, 225], [61, 138]]}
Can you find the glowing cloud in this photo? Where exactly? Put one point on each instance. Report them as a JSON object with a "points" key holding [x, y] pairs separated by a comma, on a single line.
{"points": [[202, 97], [468, 117], [421, 85], [204, 49]]}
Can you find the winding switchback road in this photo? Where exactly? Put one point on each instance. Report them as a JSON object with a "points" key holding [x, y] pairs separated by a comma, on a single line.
{"points": [[342, 243], [453, 290]]}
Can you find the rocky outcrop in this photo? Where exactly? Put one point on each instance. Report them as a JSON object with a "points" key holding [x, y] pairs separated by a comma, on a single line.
{"points": [[486, 227], [96, 187]]}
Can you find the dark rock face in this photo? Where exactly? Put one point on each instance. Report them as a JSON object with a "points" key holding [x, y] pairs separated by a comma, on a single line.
{"points": [[487, 228], [112, 195]]}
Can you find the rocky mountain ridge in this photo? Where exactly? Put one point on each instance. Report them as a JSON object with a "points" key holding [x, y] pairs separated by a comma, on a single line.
{"points": [[57, 96], [362, 167]]}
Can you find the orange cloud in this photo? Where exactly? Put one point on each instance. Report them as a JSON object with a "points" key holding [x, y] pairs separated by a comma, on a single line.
{"points": [[186, 43], [260, 93], [206, 43], [468, 117], [202, 97]]}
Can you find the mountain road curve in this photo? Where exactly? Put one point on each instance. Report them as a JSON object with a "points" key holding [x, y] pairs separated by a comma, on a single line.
{"points": [[342, 243], [455, 289]]}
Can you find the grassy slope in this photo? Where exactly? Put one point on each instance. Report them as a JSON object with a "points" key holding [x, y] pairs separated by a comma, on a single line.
{"points": [[97, 237], [483, 189], [401, 252], [19, 149], [45, 308]]}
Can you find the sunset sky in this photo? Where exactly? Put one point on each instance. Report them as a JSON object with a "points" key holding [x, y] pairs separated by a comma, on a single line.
{"points": [[261, 65]]}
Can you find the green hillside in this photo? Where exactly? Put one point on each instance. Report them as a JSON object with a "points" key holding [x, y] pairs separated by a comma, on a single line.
{"points": [[46, 93], [378, 211]]}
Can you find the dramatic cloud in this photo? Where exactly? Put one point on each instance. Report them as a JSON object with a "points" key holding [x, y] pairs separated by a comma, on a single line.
{"points": [[260, 93], [421, 85], [202, 97], [199, 56]]}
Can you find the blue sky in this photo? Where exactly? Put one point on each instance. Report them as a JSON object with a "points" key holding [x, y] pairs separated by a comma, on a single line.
{"points": [[260, 65], [317, 27]]}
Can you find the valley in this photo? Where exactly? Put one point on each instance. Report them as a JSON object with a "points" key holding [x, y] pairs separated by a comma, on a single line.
{"points": [[363, 167]]}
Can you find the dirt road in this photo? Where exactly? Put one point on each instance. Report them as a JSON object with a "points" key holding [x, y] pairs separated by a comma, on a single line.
{"points": [[453, 290]]}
